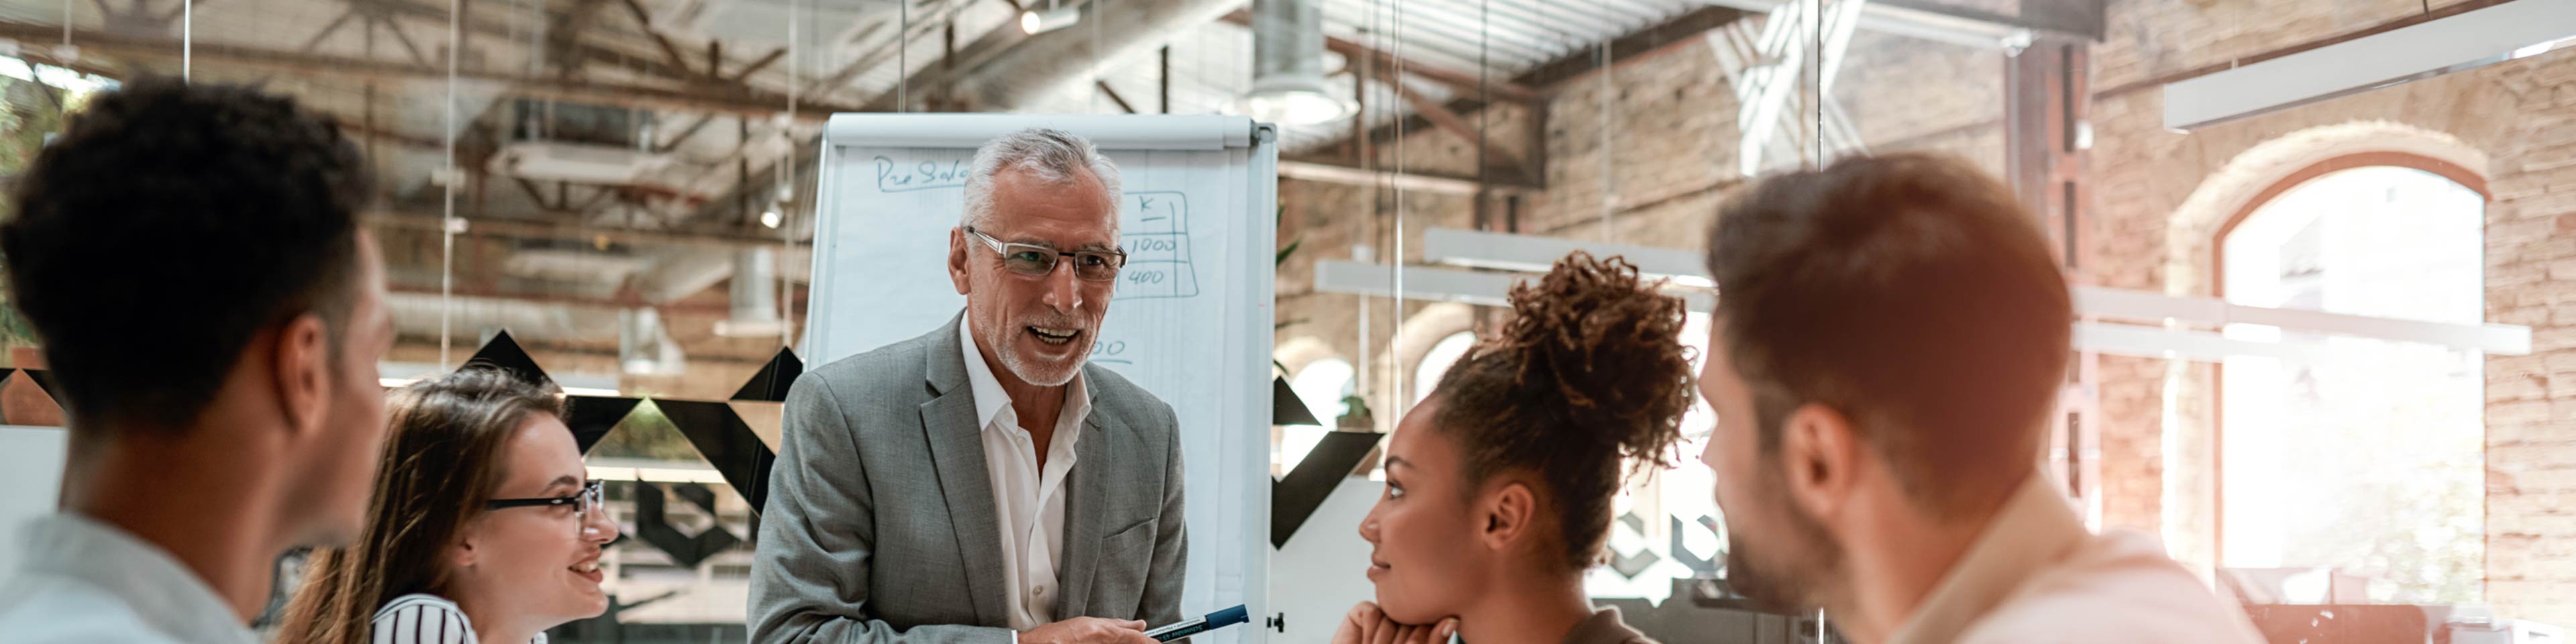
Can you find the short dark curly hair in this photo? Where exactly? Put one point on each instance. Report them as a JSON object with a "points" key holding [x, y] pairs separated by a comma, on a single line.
{"points": [[168, 226], [1589, 379]]}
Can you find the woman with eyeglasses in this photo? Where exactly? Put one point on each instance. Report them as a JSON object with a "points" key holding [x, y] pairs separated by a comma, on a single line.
{"points": [[483, 526]]}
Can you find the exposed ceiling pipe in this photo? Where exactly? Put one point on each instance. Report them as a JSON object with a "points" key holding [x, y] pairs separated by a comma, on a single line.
{"points": [[1057, 61], [417, 314], [755, 296], [645, 347], [1288, 65], [683, 272]]}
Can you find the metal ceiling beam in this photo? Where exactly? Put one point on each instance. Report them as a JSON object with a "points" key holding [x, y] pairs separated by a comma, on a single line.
{"points": [[1329, 170], [506, 31], [2081, 17], [1765, 72], [833, 80], [1452, 123], [1056, 61], [2438, 13], [1464, 82], [891, 52], [564, 37], [1112, 93], [328, 29], [1547, 78], [984, 49], [670, 52], [1551, 76], [626, 301], [2072, 19], [759, 64], [354, 128], [432, 221], [734, 100]]}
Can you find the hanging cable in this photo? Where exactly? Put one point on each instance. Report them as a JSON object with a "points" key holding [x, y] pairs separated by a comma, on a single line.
{"points": [[1609, 185], [903, 58], [1484, 94], [447, 222], [1395, 341], [787, 174], [1360, 134], [1099, 13]]}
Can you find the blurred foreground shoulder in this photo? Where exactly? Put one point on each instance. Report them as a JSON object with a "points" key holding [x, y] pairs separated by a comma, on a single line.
{"points": [[2119, 587]]}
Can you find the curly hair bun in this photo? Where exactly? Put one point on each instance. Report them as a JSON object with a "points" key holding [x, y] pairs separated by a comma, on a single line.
{"points": [[1610, 342]]}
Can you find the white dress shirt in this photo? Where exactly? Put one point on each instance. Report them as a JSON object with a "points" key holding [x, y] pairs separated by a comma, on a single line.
{"points": [[1029, 499], [2037, 575], [79, 580], [422, 618]]}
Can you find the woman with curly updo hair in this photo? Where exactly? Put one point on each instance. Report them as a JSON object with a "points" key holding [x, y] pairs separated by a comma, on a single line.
{"points": [[1499, 484]]}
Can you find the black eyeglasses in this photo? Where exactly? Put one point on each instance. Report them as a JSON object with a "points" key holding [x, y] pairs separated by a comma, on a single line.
{"points": [[1036, 260], [582, 502]]}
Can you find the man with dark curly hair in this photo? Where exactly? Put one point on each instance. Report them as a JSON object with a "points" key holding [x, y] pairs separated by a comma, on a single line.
{"points": [[212, 312]]}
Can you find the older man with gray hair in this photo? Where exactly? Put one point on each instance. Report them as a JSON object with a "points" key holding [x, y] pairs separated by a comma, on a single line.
{"points": [[981, 483]]}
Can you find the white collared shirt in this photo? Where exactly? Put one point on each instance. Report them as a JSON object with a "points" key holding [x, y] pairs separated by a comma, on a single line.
{"points": [[80, 580], [2037, 575], [1028, 499]]}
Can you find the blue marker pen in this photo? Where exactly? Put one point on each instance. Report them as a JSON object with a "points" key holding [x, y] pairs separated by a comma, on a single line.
{"points": [[1212, 621]]}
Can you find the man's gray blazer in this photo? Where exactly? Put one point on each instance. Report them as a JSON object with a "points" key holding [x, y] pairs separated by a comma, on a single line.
{"points": [[880, 525]]}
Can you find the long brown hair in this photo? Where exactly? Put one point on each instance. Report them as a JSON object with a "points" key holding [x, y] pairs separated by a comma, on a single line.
{"points": [[1589, 374], [442, 460]]}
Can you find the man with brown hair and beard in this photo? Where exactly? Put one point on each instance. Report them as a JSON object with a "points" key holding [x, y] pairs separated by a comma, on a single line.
{"points": [[1887, 350]]}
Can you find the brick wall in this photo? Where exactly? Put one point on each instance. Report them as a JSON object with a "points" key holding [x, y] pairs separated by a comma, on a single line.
{"points": [[1671, 156], [1671, 123], [2521, 115], [1671, 152]]}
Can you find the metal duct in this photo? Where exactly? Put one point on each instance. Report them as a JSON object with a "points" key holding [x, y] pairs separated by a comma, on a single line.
{"points": [[645, 347], [416, 314], [1287, 39], [755, 295], [1056, 61], [1288, 64], [683, 272]]}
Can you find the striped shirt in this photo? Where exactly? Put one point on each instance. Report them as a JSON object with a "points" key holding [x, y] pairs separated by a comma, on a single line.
{"points": [[425, 619]]}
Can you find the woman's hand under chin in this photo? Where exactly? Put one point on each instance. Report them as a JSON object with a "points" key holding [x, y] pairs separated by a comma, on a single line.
{"points": [[1368, 625]]}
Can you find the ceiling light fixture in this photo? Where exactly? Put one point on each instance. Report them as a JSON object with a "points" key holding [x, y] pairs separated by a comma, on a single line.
{"points": [[1034, 21], [1288, 65]]}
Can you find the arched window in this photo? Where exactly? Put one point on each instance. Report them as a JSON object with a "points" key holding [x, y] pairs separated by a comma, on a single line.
{"points": [[1321, 384], [1437, 361], [2370, 460]]}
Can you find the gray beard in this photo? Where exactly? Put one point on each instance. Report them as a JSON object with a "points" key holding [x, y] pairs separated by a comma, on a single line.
{"points": [[1028, 373]]}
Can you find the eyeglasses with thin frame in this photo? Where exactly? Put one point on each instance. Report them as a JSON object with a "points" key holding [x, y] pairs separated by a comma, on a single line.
{"points": [[1035, 260], [582, 502]]}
